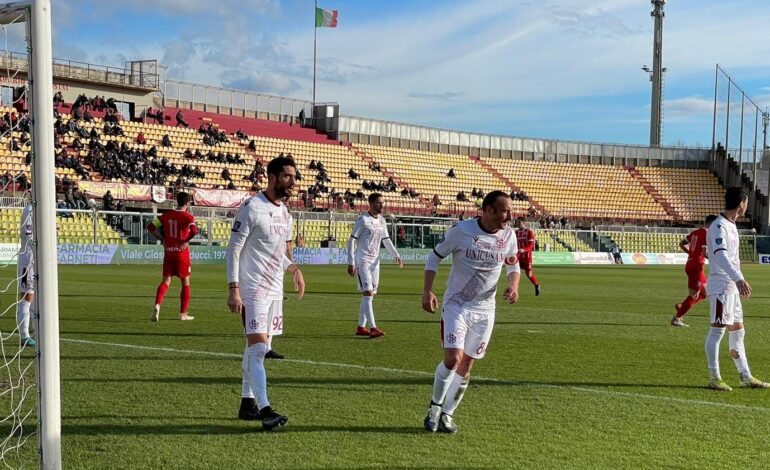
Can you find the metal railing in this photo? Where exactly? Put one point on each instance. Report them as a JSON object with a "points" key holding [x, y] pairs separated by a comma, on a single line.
{"points": [[74, 70], [541, 149], [228, 101]]}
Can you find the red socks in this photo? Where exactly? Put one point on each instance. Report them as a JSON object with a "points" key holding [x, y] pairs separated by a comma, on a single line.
{"points": [[160, 293], [532, 279], [185, 297], [689, 303]]}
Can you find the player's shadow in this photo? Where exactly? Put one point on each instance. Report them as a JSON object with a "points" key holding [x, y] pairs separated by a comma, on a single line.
{"points": [[566, 323], [147, 333], [113, 429], [577, 385], [273, 381]]}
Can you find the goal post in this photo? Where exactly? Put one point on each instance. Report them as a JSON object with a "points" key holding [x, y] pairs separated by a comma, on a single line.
{"points": [[36, 14]]}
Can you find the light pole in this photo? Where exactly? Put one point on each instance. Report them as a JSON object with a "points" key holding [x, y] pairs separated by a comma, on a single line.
{"points": [[656, 118]]}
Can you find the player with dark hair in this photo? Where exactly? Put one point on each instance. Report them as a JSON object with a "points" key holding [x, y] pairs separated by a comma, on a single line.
{"points": [[370, 231], [694, 245], [175, 229], [726, 286], [479, 248], [525, 238], [256, 261]]}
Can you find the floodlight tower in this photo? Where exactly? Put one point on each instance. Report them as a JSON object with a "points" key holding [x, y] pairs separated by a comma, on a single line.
{"points": [[656, 113]]}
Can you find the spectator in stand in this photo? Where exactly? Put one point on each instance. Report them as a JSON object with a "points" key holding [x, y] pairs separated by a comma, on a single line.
{"points": [[253, 145], [88, 117], [436, 200], [352, 174], [298, 176], [231, 186], [312, 165], [451, 173], [239, 133], [166, 141], [108, 201], [302, 117], [462, 197], [474, 192], [58, 98], [226, 175], [180, 119]]}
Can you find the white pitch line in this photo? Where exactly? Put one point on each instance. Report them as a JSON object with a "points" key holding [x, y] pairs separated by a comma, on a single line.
{"points": [[687, 401]]}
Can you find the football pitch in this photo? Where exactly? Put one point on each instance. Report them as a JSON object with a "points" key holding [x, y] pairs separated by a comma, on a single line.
{"points": [[588, 375]]}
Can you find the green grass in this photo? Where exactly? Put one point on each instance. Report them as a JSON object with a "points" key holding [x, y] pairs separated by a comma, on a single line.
{"points": [[589, 375]]}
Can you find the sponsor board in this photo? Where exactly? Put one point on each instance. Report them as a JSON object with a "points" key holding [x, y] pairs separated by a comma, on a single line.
{"points": [[552, 258], [592, 258], [764, 259], [639, 258]]}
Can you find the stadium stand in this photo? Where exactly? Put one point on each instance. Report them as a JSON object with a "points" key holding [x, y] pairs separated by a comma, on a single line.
{"points": [[694, 194], [79, 228]]}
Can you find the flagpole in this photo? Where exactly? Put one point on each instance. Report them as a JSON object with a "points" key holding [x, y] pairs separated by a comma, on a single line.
{"points": [[315, 32]]}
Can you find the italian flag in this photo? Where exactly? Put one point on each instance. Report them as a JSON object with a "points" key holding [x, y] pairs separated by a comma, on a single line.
{"points": [[325, 18]]}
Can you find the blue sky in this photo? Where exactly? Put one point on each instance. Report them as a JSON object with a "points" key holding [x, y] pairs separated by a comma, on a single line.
{"points": [[533, 68]]}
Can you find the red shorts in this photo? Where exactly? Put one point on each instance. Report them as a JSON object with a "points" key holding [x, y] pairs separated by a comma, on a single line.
{"points": [[696, 279], [177, 267], [525, 262]]}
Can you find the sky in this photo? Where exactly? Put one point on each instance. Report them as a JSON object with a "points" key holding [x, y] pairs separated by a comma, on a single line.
{"points": [[559, 69]]}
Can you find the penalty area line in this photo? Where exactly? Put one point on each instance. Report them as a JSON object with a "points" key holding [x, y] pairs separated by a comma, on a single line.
{"points": [[611, 393]]}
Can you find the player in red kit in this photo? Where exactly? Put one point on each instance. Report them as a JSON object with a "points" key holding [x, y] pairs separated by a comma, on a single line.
{"points": [[526, 241], [175, 229], [694, 245]]}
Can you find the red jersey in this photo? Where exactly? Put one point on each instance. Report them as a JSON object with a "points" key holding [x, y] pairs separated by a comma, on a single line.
{"points": [[177, 227], [697, 241], [525, 239]]}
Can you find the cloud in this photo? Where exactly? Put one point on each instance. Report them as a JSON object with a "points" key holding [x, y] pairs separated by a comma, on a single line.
{"points": [[689, 106], [445, 96], [267, 82], [588, 22]]}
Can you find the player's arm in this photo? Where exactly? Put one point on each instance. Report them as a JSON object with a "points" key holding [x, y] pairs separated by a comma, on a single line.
{"points": [[297, 277], [238, 235], [441, 251], [352, 242], [192, 232], [388, 243], [684, 245], [155, 228], [513, 272]]}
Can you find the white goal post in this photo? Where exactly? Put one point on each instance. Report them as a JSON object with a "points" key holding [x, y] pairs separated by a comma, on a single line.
{"points": [[36, 14]]}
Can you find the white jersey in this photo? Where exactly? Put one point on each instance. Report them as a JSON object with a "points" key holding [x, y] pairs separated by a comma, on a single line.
{"points": [[256, 253], [477, 259], [724, 261], [27, 251], [369, 233]]}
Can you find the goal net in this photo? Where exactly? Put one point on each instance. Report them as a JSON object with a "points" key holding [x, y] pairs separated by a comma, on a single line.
{"points": [[30, 416]]}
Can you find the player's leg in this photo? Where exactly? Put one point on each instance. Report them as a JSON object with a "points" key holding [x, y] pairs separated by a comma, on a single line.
{"points": [[184, 299], [248, 411], [719, 317], [160, 292], [474, 348], [453, 330], [275, 329], [736, 334], [363, 307], [253, 364], [696, 283]]}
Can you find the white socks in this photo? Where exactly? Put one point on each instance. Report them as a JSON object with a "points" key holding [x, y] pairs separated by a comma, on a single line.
{"points": [[22, 318], [441, 383], [246, 391], [713, 338], [738, 352], [455, 394], [254, 370], [366, 312]]}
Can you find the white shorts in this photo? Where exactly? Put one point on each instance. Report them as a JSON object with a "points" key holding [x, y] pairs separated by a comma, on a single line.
{"points": [[467, 330], [725, 309], [25, 271], [263, 316], [368, 277]]}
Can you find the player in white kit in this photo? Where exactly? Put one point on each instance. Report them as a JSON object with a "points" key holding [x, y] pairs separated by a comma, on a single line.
{"points": [[256, 261], [25, 272], [370, 231], [479, 248], [725, 288]]}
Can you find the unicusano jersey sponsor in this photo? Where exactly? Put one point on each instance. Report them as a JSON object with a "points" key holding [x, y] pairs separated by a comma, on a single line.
{"points": [[477, 259]]}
